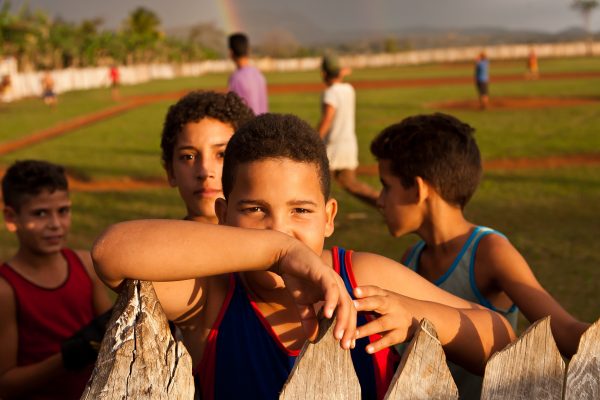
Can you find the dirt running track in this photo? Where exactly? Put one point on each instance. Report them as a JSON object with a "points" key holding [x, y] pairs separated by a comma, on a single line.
{"points": [[134, 102]]}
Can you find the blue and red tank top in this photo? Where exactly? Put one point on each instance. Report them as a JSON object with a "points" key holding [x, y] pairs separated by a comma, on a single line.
{"points": [[244, 357], [48, 316]]}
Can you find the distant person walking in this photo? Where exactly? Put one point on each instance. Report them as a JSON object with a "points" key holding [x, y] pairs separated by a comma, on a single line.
{"points": [[48, 93], [115, 82], [247, 81], [337, 129], [482, 77], [532, 65]]}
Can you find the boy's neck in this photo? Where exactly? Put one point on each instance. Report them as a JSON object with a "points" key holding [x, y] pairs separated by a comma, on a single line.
{"points": [[241, 62], [443, 225], [202, 218], [46, 270], [333, 81]]}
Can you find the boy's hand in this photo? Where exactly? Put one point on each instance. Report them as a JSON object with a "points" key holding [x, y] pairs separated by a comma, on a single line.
{"points": [[81, 349], [310, 280], [395, 323]]}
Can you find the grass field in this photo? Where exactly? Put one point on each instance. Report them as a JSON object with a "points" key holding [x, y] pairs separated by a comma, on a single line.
{"points": [[552, 216]]}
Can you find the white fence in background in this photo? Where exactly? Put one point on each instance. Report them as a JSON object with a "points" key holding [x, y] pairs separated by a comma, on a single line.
{"points": [[29, 84]]}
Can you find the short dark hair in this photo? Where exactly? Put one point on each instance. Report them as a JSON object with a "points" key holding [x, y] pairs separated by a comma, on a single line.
{"points": [[439, 148], [239, 44], [228, 108], [275, 136], [30, 178]]}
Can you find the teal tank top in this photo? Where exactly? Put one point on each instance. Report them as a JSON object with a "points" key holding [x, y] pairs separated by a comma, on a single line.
{"points": [[459, 280]]}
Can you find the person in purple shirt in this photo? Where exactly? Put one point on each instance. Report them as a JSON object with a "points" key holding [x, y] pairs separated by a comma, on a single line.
{"points": [[247, 81]]}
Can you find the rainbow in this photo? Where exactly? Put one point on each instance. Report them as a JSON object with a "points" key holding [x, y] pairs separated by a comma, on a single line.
{"points": [[229, 17]]}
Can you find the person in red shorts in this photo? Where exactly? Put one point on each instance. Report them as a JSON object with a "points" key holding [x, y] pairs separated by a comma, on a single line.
{"points": [[50, 295]]}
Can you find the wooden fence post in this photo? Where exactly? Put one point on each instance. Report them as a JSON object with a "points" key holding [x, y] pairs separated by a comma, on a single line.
{"points": [[323, 370], [530, 368], [139, 359], [423, 372], [583, 373]]}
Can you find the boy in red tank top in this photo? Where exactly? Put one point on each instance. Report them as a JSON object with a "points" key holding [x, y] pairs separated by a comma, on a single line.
{"points": [[49, 295]]}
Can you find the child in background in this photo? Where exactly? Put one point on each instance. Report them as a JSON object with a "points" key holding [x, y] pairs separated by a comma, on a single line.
{"points": [[247, 81], [48, 92], [49, 294], [482, 80], [195, 133], [337, 129], [430, 166], [244, 295]]}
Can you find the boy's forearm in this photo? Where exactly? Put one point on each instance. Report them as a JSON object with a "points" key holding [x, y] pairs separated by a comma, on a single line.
{"points": [[469, 336], [21, 381], [170, 250]]}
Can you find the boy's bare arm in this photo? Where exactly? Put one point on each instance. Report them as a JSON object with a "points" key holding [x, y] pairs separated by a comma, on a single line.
{"points": [[102, 302], [19, 381], [170, 250], [469, 336], [327, 114], [470, 333], [510, 272], [376, 270]]}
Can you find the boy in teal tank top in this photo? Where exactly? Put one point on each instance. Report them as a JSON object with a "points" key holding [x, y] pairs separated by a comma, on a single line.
{"points": [[430, 166]]}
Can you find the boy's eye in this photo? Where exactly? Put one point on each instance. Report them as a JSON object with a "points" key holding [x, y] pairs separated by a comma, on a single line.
{"points": [[221, 154], [251, 210], [64, 210], [300, 210], [186, 157], [40, 213]]}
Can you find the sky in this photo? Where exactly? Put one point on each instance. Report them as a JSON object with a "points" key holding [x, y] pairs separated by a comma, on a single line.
{"points": [[325, 17]]}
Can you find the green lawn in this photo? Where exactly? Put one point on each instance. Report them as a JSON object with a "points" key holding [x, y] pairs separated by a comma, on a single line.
{"points": [[551, 216]]}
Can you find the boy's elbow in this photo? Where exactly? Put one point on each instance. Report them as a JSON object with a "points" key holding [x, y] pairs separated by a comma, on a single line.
{"points": [[102, 253]]}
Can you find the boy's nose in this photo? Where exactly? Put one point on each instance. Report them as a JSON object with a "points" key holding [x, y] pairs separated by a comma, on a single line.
{"points": [[205, 169], [278, 224]]}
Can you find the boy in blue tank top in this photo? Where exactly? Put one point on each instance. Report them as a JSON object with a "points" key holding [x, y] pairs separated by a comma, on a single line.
{"points": [[430, 166], [245, 293]]}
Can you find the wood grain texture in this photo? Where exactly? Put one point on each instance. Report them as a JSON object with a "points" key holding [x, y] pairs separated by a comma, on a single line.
{"points": [[530, 368], [323, 370], [423, 372], [139, 358], [583, 374]]}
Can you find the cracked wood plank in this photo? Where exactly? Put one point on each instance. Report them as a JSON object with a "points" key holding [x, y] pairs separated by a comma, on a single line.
{"points": [[139, 358], [423, 372], [323, 370], [530, 368], [583, 374]]}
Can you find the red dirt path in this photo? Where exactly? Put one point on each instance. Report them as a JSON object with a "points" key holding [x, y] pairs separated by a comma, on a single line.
{"points": [[134, 102]]}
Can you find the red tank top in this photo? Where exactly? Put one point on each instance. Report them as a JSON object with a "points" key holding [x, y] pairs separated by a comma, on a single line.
{"points": [[46, 317]]}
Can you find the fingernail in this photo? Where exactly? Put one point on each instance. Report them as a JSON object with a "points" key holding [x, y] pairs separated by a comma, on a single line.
{"points": [[339, 334], [358, 291], [370, 349], [355, 302], [353, 343]]}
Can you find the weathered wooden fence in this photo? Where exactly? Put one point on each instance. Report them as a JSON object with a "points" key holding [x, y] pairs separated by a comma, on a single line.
{"points": [[140, 359]]}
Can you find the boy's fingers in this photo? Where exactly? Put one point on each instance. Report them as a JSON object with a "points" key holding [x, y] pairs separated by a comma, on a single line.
{"points": [[387, 340], [380, 326], [309, 321], [349, 323], [371, 303], [368, 290]]}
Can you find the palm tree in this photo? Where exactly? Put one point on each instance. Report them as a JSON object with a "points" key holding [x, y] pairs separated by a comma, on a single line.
{"points": [[142, 33], [585, 8]]}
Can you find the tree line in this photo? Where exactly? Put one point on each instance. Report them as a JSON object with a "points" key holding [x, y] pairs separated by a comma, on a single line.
{"points": [[38, 41]]}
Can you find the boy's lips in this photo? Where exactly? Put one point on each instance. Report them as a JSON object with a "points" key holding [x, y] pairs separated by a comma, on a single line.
{"points": [[53, 239], [208, 192]]}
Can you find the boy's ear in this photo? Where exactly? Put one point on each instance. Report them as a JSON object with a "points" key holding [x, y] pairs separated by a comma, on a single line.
{"points": [[170, 176], [422, 189], [221, 210], [10, 219], [331, 209]]}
